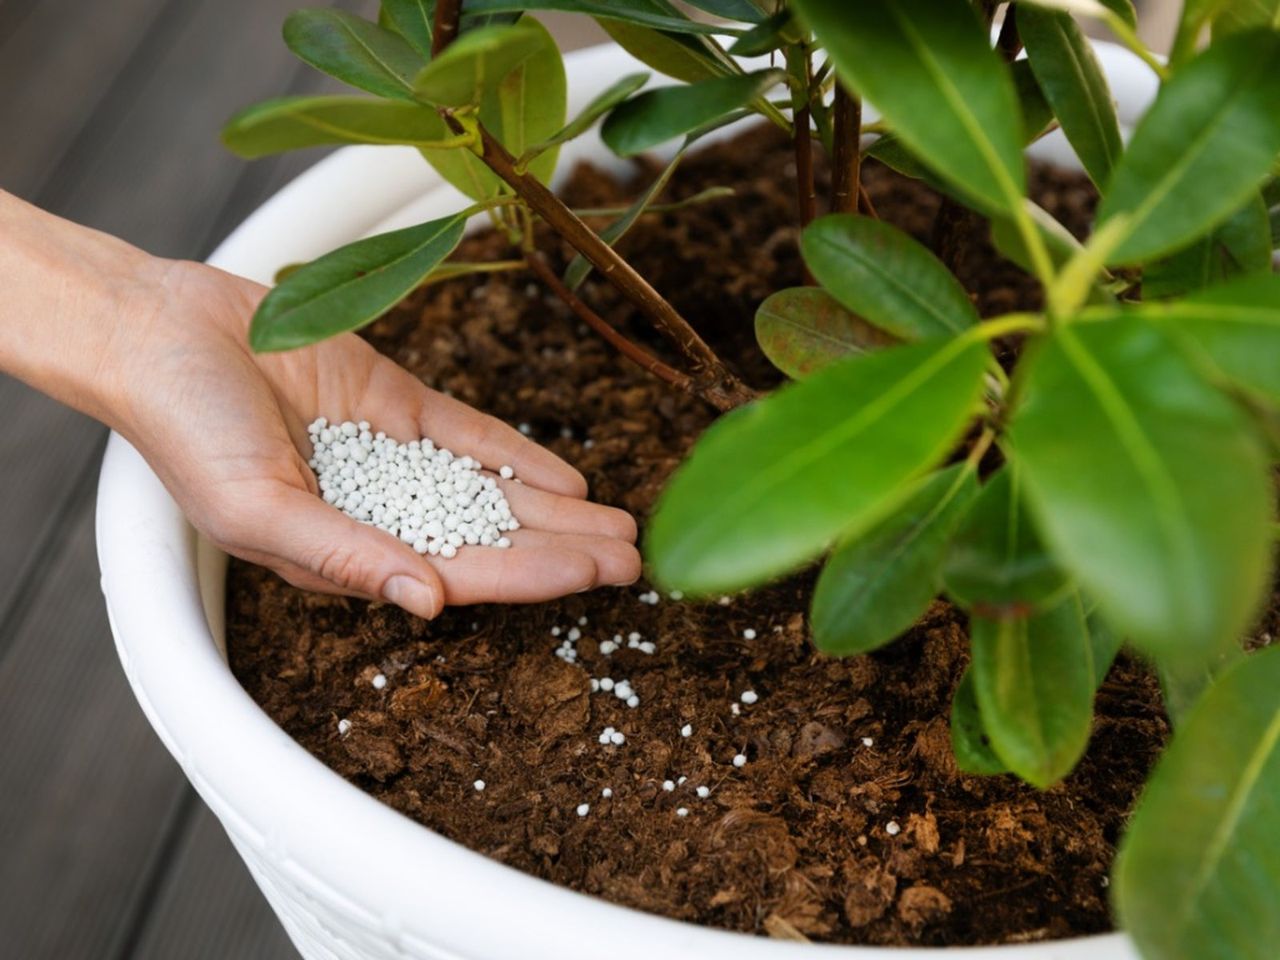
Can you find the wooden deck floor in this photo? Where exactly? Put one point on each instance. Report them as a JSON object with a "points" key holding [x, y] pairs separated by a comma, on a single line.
{"points": [[109, 112]]}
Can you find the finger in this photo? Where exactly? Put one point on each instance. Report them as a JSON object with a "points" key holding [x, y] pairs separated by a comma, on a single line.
{"points": [[540, 510], [351, 557], [538, 568], [306, 580], [617, 561], [464, 430]]}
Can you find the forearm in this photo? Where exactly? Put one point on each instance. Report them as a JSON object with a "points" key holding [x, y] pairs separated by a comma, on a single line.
{"points": [[70, 296]]}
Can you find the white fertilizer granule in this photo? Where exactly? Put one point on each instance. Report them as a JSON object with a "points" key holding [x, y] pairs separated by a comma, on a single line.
{"points": [[433, 501]]}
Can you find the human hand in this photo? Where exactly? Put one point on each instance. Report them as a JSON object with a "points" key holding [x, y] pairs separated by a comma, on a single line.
{"points": [[225, 430]]}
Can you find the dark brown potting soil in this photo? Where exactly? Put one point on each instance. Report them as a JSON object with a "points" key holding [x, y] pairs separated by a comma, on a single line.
{"points": [[849, 822]]}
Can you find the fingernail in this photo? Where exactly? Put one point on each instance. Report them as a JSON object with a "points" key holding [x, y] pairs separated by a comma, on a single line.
{"points": [[411, 594]]}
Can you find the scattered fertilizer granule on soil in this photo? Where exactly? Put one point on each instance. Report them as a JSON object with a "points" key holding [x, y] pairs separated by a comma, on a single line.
{"points": [[433, 501]]}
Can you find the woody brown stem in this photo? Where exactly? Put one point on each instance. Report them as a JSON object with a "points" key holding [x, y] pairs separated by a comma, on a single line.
{"points": [[632, 351], [846, 161], [445, 27]]}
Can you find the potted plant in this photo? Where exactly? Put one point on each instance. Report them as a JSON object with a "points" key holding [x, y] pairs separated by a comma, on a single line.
{"points": [[1076, 477]]}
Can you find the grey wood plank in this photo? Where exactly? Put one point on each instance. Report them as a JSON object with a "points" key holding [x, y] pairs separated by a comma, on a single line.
{"points": [[84, 783], [210, 908], [57, 59]]}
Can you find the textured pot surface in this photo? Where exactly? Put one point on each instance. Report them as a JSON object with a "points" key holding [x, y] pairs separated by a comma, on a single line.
{"points": [[350, 878]]}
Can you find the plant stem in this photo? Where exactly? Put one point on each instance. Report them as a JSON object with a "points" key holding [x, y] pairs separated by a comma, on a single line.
{"points": [[445, 28], [711, 379], [802, 138], [634, 352], [864, 202], [846, 161]]}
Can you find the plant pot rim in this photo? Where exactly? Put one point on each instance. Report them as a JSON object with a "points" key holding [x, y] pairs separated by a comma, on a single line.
{"points": [[348, 875]]}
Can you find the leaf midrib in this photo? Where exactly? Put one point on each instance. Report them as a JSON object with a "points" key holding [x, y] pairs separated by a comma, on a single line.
{"points": [[373, 55]]}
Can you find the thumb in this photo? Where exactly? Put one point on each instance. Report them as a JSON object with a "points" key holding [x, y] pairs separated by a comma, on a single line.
{"points": [[348, 556]]}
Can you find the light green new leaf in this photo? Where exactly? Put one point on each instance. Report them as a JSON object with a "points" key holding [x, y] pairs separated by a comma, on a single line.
{"points": [[476, 62], [969, 740], [618, 91], [354, 51], [1034, 682], [1236, 325], [997, 566], [291, 123], [771, 485], [660, 115], [351, 286], [1198, 874], [1149, 485], [886, 277], [928, 66], [1239, 245], [526, 106], [803, 329], [1204, 146], [876, 585], [1073, 82]]}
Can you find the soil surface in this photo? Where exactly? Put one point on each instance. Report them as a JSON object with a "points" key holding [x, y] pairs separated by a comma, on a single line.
{"points": [[849, 821]]}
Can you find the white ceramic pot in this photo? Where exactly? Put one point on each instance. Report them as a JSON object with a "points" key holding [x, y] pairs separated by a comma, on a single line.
{"points": [[349, 877]]}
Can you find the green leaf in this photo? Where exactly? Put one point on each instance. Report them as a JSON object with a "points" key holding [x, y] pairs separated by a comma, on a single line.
{"points": [[354, 51], [527, 106], [1073, 82], [969, 740], [413, 20], [1200, 151], [877, 585], [681, 57], [928, 66], [291, 123], [1034, 683], [475, 63], [579, 267], [1059, 242], [1198, 874], [1236, 326], [618, 91], [803, 329], [1148, 485], [1184, 683], [744, 11], [1239, 245], [772, 484], [660, 115], [645, 13], [997, 566], [1098, 9], [885, 276], [347, 288], [764, 37], [1105, 644]]}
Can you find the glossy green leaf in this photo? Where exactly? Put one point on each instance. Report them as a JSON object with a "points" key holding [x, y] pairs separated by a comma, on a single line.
{"points": [[997, 566], [743, 11], [605, 101], [351, 286], [969, 740], [771, 485], [1236, 326], [803, 329], [1073, 82], [1148, 485], [1239, 245], [1105, 644], [354, 51], [764, 37], [660, 115], [1185, 682], [579, 267], [1200, 151], [1033, 680], [1097, 9], [878, 584], [527, 106], [886, 277], [685, 58], [475, 63], [646, 13], [291, 123], [928, 66], [413, 20], [1059, 242], [1198, 874]]}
